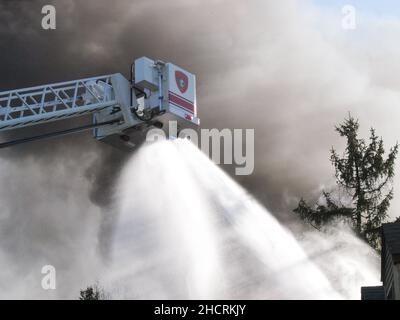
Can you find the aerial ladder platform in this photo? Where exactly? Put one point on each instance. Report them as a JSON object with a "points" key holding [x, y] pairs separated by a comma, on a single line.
{"points": [[123, 111]]}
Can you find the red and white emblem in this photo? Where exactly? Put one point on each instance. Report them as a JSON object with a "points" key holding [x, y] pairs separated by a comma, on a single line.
{"points": [[182, 81]]}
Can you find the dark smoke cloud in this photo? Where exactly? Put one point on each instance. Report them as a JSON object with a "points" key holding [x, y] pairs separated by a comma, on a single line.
{"points": [[218, 42], [260, 64]]}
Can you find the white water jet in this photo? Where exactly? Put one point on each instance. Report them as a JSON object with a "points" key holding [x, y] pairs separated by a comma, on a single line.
{"points": [[186, 230]]}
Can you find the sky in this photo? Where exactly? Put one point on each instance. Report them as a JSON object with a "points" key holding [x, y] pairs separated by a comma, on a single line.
{"points": [[285, 68], [383, 8]]}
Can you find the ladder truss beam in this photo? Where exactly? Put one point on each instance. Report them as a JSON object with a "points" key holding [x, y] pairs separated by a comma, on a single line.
{"points": [[35, 105]]}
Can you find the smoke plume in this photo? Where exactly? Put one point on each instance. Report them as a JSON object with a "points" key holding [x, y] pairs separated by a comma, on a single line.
{"points": [[284, 68]]}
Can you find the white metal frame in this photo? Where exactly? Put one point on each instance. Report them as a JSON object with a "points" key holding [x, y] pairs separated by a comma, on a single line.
{"points": [[30, 106]]}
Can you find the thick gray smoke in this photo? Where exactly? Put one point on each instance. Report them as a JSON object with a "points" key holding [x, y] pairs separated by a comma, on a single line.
{"points": [[283, 68]]}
